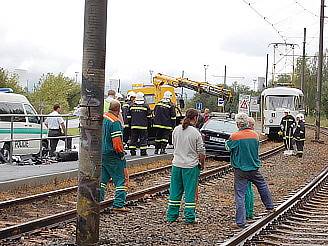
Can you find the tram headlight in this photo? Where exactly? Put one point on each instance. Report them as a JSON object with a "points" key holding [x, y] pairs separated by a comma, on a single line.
{"points": [[271, 121]]}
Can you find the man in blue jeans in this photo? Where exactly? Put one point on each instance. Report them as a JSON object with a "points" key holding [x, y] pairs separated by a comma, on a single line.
{"points": [[244, 156]]}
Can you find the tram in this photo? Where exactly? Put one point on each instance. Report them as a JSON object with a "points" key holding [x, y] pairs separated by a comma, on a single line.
{"points": [[273, 103]]}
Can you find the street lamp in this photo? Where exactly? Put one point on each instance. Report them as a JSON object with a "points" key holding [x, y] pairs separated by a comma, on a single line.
{"points": [[205, 68], [76, 74], [254, 81], [151, 76]]}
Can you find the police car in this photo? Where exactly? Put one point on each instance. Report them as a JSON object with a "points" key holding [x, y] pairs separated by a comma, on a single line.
{"points": [[24, 127]]}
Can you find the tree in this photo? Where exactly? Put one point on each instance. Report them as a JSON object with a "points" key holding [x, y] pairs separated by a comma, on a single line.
{"points": [[53, 89], [8, 80]]}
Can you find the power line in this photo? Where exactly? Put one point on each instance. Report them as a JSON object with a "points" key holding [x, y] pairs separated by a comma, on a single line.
{"points": [[306, 10], [266, 20]]}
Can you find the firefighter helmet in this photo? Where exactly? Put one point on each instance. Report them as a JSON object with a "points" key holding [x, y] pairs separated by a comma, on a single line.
{"points": [[131, 94], [139, 96], [300, 116]]}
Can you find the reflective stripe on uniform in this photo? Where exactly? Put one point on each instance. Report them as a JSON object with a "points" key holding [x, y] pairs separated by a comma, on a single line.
{"points": [[174, 203], [123, 188], [138, 108], [143, 147], [163, 127], [164, 105], [139, 127]]}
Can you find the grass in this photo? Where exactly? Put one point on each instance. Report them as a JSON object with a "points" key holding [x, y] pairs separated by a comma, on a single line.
{"points": [[311, 120], [73, 131]]}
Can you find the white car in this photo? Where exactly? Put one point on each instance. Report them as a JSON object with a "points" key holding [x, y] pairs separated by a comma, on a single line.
{"points": [[24, 127]]}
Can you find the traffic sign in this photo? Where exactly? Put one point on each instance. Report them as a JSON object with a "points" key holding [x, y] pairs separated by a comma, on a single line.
{"points": [[199, 105], [244, 101], [220, 102]]}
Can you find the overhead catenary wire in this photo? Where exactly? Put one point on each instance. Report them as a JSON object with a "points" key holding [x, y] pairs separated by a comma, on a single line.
{"points": [[266, 20], [306, 10]]}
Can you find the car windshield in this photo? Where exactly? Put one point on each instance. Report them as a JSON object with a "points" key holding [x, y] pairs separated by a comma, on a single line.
{"points": [[221, 126]]}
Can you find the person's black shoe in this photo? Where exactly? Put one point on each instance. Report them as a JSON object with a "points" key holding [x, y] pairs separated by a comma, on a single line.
{"points": [[133, 153], [143, 152], [163, 152], [156, 151]]}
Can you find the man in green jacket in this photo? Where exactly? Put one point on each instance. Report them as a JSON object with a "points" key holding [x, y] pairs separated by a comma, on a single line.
{"points": [[244, 156]]}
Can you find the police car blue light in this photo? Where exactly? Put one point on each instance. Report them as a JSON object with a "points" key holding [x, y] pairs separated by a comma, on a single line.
{"points": [[6, 90]]}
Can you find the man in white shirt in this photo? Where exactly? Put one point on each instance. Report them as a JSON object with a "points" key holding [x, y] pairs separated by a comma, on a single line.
{"points": [[56, 126]]}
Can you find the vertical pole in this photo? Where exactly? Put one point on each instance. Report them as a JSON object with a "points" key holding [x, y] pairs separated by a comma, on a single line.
{"points": [[92, 93], [266, 70], [225, 77], [319, 76], [293, 47], [274, 64], [119, 85], [182, 75], [303, 62], [205, 68]]}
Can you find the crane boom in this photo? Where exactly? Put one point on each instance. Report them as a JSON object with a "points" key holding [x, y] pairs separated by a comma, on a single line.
{"points": [[201, 87]]}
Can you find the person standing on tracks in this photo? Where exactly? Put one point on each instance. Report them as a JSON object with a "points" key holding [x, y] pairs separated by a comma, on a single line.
{"points": [[287, 125], [125, 108], [188, 160], [249, 196], [55, 124], [139, 117], [113, 160], [244, 156], [164, 122], [299, 134]]}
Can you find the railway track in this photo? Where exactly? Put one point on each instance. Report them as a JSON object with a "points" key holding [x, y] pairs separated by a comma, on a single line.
{"points": [[301, 220], [60, 192], [19, 229]]}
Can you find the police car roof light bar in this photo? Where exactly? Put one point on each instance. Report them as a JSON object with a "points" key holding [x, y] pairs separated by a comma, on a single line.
{"points": [[6, 90]]}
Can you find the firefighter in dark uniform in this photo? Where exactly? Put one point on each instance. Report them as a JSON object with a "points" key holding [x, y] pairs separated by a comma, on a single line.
{"points": [[287, 125], [139, 117], [125, 108], [164, 122], [299, 135]]}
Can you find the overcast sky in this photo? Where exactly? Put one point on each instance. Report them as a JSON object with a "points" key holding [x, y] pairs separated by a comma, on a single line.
{"points": [[165, 36]]}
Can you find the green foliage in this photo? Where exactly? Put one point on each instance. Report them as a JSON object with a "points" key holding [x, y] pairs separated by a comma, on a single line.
{"points": [[53, 89], [310, 84], [210, 102], [8, 80]]}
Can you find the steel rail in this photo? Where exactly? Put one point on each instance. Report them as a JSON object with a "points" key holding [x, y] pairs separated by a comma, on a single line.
{"points": [[19, 229], [261, 224], [47, 195]]}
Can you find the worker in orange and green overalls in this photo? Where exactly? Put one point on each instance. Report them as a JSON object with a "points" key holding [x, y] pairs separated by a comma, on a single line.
{"points": [[113, 160]]}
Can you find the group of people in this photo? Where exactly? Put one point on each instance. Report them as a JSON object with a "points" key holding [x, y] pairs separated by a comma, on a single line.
{"points": [[137, 118], [293, 132], [188, 158]]}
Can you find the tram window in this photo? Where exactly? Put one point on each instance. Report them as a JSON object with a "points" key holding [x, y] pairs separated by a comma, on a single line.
{"points": [[274, 102]]}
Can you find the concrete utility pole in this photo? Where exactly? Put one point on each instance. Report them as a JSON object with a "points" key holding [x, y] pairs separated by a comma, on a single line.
{"points": [[92, 95], [303, 62], [319, 76]]}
